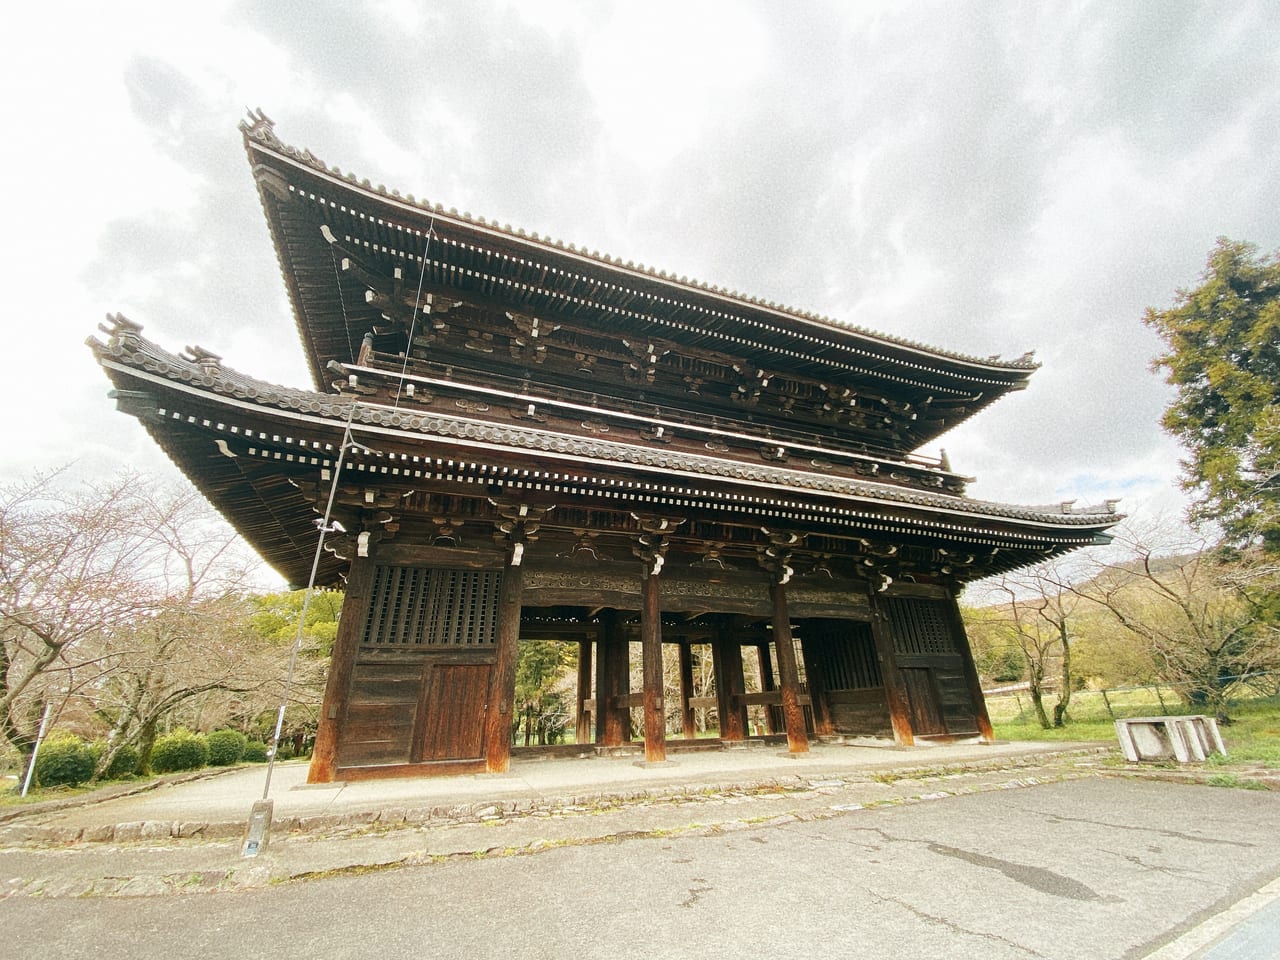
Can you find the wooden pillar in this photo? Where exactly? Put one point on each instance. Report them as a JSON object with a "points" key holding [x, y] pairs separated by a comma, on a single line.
{"points": [[772, 715], [333, 710], [613, 681], [502, 681], [895, 690], [655, 720], [686, 691], [792, 712], [583, 733], [970, 670], [726, 661], [815, 673]]}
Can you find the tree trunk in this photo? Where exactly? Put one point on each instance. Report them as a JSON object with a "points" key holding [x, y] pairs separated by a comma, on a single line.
{"points": [[1060, 718], [1035, 679], [146, 743]]}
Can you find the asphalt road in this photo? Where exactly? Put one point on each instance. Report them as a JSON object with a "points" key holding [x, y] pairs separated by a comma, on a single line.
{"points": [[1091, 868]]}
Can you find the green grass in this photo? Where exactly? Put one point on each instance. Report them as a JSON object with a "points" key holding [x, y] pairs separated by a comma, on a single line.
{"points": [[1251, 739]]}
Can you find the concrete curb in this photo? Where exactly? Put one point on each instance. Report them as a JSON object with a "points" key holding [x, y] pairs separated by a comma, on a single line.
{"points": [[402, 816], [325, 857]]}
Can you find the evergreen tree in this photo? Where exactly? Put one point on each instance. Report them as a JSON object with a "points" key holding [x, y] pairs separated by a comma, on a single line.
{"points": [[1223, 358]]}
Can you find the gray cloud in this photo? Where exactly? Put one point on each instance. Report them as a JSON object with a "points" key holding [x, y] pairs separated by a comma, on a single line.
{"points": [[987, 177]]}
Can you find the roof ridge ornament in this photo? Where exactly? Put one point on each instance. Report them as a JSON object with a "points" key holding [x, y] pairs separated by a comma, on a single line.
{"points": [[260, 127]]}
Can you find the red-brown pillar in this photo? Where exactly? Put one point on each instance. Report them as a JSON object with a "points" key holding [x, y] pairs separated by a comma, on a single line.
{"points": [[583, 733], [686, 691], [792, 712], [970, 670], [726, 659], [895, 689], [655, 718], [613, 681], [502, 682], [333, 710]]}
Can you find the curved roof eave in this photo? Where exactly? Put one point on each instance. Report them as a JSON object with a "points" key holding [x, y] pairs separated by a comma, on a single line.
{"points": [[259, 136]]}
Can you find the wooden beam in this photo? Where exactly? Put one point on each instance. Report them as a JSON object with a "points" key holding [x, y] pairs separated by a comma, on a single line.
{"points": [[355, 611], [792, 712], [770, 698]]}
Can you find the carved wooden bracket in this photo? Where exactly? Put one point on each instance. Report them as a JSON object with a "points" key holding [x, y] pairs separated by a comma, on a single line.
{"points": [[751, 384], [777, 557], [651, 546], [518, 526], [645, 354], [528, 344]]}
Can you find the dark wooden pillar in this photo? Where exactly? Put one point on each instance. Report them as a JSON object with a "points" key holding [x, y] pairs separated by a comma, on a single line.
{"points": [[502, 681], [686, 691], [583, 733], [613, 681], [772, 715], [726, 659], [970, 670], [355, 613], [792, 712], [895, 689], [815, 674], [655, 720]]}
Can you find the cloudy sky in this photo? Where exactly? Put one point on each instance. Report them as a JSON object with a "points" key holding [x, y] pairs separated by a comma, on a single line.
{"points": [[986, 177]]}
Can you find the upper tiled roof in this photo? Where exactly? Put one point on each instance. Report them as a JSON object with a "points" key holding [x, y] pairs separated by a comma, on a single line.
{"points": [[259, 132]]}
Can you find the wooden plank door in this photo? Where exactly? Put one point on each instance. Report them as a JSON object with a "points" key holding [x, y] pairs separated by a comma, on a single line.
{"points": [[453, 711], [926, 711]]}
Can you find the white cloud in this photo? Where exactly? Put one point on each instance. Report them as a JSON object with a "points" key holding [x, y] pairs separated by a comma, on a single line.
{"points": [[989, 177]]}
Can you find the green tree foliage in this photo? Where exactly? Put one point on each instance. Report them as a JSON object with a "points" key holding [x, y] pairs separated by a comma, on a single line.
{"points": [[275, 617], [1222, 356], [996, 654], [541, 673]]}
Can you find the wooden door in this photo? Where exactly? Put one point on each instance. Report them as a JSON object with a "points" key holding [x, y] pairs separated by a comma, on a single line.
{"points": [[452, 711], [922, 697]]}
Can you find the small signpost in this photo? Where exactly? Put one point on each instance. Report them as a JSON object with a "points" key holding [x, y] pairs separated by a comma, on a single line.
{"points": [[258, 832]]}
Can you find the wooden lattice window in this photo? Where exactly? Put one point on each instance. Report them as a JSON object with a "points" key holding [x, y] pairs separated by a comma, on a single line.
{"points": [[920, 627], [415, 606]]}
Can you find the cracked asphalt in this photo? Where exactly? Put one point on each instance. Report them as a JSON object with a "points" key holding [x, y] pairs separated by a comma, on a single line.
{"points": [[1046, 859]]}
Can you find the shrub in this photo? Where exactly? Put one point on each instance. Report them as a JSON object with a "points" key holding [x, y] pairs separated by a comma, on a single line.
{"points": [[255, 751], [123, 764], [64, 761], [180, 750], [225, 747]]}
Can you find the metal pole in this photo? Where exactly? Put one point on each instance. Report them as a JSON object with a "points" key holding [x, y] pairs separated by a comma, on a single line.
{"points": [[44, 726], [306, 602]]}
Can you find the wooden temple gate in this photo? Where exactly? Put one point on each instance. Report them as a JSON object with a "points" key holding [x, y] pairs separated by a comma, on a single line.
{"points": [[515, 434]]}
